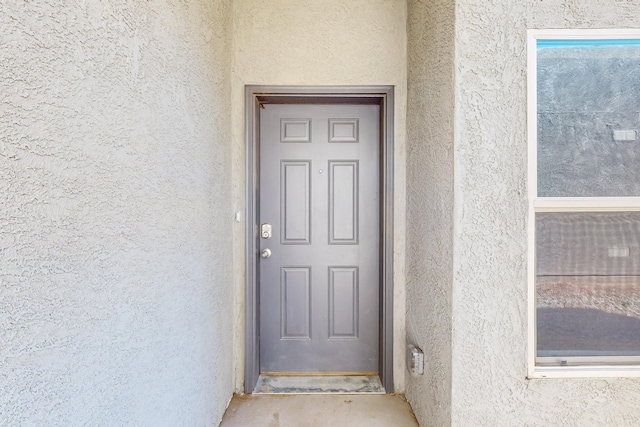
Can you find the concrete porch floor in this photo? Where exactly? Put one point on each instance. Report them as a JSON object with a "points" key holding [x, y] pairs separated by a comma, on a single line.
{"points": [[319, 411]]}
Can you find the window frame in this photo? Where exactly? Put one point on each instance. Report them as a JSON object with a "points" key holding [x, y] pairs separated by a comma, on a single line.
{"points": [[598, 366]]}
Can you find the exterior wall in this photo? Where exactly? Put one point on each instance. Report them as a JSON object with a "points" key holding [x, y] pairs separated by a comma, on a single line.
{"points": [[490, 264], [332, 42], [430, 38], [115, 172]]}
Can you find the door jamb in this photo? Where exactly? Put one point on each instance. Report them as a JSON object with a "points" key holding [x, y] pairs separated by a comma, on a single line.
{"points": [[255, 96]]}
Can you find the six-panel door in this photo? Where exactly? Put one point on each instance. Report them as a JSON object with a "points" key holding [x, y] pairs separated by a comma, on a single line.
{"points": [[319, 189]]}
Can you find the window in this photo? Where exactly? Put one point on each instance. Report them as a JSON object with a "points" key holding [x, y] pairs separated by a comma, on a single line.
{"points": [[584, 202]]}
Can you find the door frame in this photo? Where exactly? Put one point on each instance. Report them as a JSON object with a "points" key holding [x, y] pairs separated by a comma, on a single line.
{"points": [[255, 96]]}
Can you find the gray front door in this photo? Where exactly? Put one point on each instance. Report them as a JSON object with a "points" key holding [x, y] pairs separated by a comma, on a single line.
{"points": [[319, 287]]}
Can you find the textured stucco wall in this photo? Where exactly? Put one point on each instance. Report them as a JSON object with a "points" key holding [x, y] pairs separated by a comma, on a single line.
{"points": [[490, 286], [429, 270], [329, 42], [115, 175]]}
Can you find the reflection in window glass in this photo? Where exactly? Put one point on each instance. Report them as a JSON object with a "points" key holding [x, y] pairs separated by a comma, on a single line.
{"points": [[588, 284], [588, 118]]}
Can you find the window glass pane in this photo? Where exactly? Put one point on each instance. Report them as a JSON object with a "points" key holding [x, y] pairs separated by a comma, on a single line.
{"points": [[588, 284], [588, 118]]}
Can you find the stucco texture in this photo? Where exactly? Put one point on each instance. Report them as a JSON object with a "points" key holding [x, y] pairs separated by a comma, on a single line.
{"points": [[329, 42], [115, 171], [490, 256], [430, 50], [476, 280]]}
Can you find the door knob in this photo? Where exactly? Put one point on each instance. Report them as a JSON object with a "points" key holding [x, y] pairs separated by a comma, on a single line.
{"points": [[266, 253]]}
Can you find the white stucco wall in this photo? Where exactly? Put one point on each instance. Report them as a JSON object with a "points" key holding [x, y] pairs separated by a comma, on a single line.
{"points": [[430, 47], [329, 42], [115, 176], [490, 257], [120, 302], [487, 286]]}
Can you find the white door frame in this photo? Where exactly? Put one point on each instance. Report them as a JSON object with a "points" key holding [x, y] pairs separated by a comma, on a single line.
{"points": [[254, 97]]}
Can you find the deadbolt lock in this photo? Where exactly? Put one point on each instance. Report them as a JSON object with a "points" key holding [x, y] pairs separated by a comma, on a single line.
{"points": [[265, 231]]}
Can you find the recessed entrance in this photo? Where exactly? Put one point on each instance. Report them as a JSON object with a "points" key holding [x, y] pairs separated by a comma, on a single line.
{"points": [[319, 236]]}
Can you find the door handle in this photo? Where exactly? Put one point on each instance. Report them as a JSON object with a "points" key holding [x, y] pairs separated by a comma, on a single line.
{"points": [[265, 253]]}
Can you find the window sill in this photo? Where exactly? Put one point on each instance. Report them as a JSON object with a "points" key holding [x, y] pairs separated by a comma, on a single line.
{"points": [[544, 372]]}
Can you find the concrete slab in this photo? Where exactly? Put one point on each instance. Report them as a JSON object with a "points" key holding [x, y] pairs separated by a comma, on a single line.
{"points": [[319, 411]]}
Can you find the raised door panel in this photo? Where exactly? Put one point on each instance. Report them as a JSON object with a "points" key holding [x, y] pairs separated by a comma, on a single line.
{"points": [[343, 302], [343, 202], [295, 303], [295, 197]]}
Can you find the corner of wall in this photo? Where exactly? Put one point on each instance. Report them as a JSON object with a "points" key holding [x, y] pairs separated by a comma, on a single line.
{"points": [[430, 201]]}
